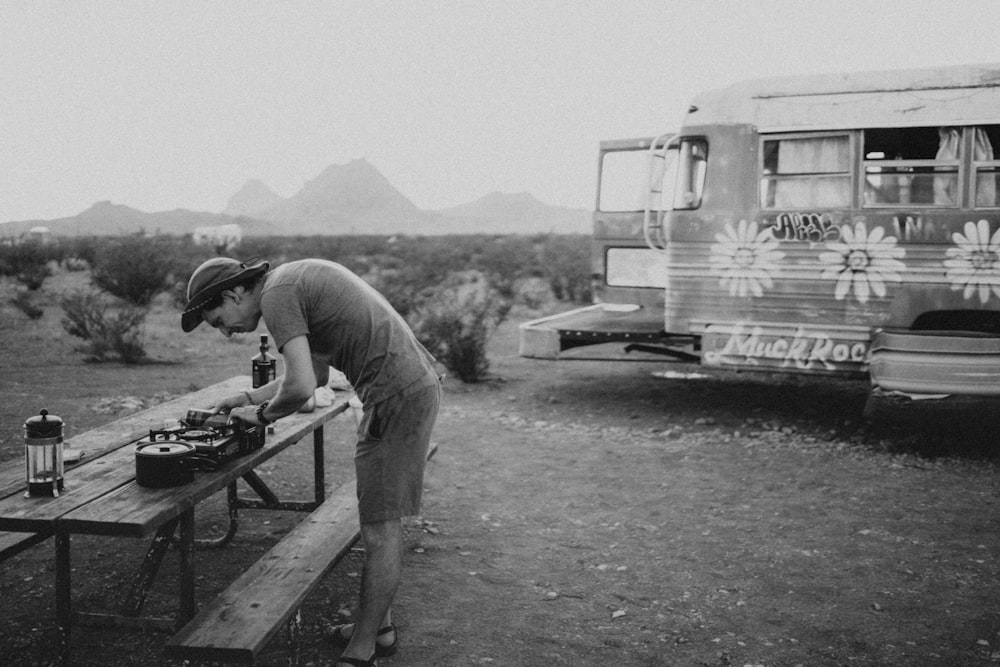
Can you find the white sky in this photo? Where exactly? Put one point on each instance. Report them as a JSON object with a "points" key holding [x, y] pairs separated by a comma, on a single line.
{"points": [[176, 104]]}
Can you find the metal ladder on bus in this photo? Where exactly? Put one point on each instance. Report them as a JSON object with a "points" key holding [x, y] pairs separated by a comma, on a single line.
{"points": [[652, 220]]}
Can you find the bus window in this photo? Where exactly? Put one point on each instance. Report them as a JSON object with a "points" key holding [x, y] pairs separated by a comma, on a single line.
{"points": [[690, 178], [623, 178], [628, 177], [806, 172], [987, 180], [634, 267], [912, 165]]}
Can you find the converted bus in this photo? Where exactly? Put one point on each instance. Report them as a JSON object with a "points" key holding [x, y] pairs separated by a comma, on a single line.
{"points": [[844, 225]]}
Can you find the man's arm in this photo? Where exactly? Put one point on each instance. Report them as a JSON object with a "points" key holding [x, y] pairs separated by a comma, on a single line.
{"points": [[299, 381], [295, 387], [321, 370]]}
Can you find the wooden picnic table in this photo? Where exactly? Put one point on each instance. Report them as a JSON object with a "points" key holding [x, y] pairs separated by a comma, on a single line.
{"points": [[101, 497]]}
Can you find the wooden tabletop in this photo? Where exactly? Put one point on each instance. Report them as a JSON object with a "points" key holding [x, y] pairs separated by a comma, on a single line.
{"points": [[101, 496]]}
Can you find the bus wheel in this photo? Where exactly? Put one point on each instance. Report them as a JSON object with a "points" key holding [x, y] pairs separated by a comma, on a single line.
{"points": [[886, 411], [936, 424]]}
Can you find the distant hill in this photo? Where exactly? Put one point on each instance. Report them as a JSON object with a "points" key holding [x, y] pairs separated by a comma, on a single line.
{"points": [[521, 213], [107, 219], [353, 198], [253, 196]]}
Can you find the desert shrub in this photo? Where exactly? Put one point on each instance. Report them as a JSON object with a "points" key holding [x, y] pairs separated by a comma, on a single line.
{"points": [[456, 320], [533, 292], [33, 276], [28, 262], [24, 302], [76, 264], [110, 331], [83, 248], [403, 282], [392, 283], [565, 261], [134, 268], [505, 260], [270, 248], [406, 268], [424, 261], [341, 248]]}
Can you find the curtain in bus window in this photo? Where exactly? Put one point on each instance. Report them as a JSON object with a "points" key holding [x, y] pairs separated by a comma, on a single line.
{"points": [[945, 187], [814, 156], [818, 154], [986, 185]]}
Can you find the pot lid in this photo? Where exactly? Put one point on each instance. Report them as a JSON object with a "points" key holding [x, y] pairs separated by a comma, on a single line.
{"points": [[165, 448], [43, 425]]}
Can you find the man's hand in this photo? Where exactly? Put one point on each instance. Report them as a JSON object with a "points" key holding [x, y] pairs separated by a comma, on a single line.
{"points": [[227, 404], [246, 414]]}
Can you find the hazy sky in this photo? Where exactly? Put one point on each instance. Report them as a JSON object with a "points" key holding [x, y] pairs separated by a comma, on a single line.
{"points": [[176, 104]]}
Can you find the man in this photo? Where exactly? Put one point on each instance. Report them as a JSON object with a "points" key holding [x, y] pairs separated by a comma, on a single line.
{"points": [[319, 315]]}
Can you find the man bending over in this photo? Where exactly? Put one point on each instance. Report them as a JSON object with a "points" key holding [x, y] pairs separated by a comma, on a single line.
{"points": [[319, 315]]}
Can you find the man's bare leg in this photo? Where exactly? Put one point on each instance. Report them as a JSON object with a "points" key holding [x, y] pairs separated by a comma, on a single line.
{"points": [[380, 577]]}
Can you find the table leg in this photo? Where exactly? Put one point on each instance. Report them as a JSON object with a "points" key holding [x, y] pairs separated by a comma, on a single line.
{"points": [[232, 503], [319, 467], [268, 497], [187, 610], [134, 599], [294, 627], [64, 603]]}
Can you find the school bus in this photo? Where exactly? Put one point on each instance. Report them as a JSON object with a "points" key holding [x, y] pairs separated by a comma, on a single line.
{"points": [[842, 224]]}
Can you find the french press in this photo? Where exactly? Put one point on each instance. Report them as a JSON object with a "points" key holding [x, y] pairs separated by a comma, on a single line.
{"points": [[43, 454]]}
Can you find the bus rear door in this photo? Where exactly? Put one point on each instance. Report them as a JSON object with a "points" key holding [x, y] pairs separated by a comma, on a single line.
{"points": [[627, 275]]}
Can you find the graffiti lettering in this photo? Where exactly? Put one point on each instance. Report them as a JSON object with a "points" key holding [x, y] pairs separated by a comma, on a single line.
{"points": [[804, 227], [919, 228], [805, 350], [907, 227]]}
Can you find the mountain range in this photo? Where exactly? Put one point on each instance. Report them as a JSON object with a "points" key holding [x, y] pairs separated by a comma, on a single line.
{"points": [[352, 198]]}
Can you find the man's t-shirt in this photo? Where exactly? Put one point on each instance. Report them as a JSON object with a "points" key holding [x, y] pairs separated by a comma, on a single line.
{"points": [[346, 321]]}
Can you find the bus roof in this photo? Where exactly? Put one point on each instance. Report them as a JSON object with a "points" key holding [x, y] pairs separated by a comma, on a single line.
{"points": [[625, 144], [958, 95]]}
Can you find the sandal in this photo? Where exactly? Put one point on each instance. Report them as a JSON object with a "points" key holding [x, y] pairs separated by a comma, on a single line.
{"points": [[356, 662], [337, 638]]}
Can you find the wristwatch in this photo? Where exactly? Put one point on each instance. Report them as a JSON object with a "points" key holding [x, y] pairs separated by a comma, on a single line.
{"points": [[260, 414]]}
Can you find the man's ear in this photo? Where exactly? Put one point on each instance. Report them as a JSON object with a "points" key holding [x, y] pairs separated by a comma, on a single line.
{"points": [[231, 295]]}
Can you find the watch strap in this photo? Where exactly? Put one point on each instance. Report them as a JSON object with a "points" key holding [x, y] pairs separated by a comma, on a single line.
{"points": [[260, 414]]}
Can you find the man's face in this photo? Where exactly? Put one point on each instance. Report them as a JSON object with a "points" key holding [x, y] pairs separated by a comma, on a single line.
{"points": [[237, 314]]}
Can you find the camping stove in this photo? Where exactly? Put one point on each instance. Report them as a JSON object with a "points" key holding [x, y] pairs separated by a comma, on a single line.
{"points": [[214, 437]]}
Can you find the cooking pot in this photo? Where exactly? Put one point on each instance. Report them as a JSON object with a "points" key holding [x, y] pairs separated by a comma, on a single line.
{"points": [[164, 464]]}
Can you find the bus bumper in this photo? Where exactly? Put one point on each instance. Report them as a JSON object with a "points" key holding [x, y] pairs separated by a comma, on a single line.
{"points": [[935, 362], [549, 337]]}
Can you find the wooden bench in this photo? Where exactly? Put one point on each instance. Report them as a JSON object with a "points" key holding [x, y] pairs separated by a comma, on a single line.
{"points": [[239, 623], [12, 544]]}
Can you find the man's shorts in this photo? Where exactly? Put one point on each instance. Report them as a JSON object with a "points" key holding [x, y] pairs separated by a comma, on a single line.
{"points": [[393, 440]]}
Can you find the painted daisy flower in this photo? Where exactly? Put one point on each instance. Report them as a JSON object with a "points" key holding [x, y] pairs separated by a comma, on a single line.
{"points": [[863, 261], [974, 265], [745, 258]]}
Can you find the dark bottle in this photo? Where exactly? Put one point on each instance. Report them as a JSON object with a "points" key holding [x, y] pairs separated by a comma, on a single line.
{"points": [[263, 367]]}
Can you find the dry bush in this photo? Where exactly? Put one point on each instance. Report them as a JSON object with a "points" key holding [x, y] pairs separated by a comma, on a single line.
{"points": [[134, 268], [456, 320], [28, 262], [110, 331], [24, 302]]}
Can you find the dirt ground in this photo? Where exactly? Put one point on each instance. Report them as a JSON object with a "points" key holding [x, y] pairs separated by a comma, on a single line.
{"points": [[582, 513]]}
